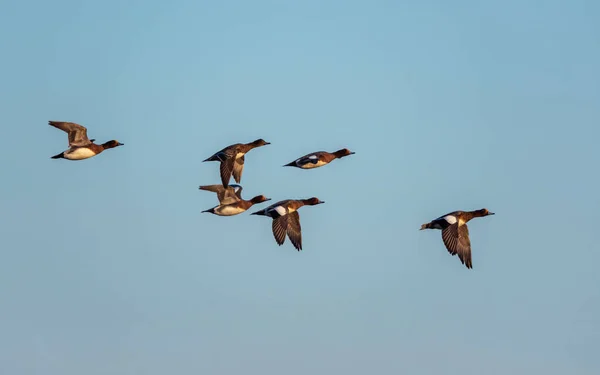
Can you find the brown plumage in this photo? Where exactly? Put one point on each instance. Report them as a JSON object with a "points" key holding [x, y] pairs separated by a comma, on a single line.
{"points": [[226, 195], [286, 219], [318, 159], [232, 159], [455, 233], [80, 146], [236, 207]]}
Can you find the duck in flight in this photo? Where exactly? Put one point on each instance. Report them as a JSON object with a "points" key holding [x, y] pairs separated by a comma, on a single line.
{"points": [[455, 233], [230, 200], [286, 219], [232, 159], [318, 159], [80, 147]]}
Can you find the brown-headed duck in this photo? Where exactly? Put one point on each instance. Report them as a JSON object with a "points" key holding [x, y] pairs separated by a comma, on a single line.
{"points": [[455, 232], [80, 147], [232, 159]]}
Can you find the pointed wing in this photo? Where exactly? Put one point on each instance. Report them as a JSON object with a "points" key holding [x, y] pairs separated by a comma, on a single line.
{"points": [[456, 239], [279, 226], [77, 133], [238, 168], [225, 195], [294, 231], [226, 168]]}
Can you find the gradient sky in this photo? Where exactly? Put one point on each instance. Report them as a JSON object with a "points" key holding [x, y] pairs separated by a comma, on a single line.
{"points": [[108, 266]]}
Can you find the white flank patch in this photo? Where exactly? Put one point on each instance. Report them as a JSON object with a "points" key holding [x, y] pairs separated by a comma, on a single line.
{"points": [[313, 157], [450, 219], [79, 154], [280, 210]]}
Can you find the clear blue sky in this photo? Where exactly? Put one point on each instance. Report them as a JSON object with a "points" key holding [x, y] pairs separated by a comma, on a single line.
{"points": [[108, 267]]}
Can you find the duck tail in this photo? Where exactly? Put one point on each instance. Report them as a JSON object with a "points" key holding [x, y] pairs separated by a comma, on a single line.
{"points": [[58, 156], [211, 210], [425, 226], [291, 164]]}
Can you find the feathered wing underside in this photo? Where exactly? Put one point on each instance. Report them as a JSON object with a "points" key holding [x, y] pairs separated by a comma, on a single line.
{"points": [[226, 169], [238, 168], [280, 225], [294, 230], [77, 133], [456, 239]]}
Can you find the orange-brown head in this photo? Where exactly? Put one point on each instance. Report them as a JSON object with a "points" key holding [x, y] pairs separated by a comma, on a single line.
{"points": [[111, 144], [343, 152], [259, 199]]}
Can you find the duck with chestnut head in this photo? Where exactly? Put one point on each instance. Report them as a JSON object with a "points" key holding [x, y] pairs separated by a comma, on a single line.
{"points": [[232, 159], [80, 146], [455, 233], [318, 159]]}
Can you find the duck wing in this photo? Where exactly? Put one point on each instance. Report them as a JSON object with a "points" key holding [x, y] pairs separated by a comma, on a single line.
{"points": [[228, 195], [456, 239], [238, 168], [279, 227], [77, 133], [294, 230], [226, 169]]}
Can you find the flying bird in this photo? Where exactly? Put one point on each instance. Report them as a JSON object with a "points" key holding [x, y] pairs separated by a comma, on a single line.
{"points": [[80, 147], [238, 207], [286, 219], [455, 233], [318, 159], [232, 159], [230, 200]]}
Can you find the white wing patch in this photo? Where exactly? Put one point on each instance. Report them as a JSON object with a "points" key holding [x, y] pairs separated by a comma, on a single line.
{"points": [[450, 219], [280, 210]]}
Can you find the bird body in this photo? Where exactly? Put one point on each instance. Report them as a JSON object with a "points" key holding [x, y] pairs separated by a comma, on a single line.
{"points": [[236, 208], [80, 147], [455, 232], [318, 159], [232, 159]]}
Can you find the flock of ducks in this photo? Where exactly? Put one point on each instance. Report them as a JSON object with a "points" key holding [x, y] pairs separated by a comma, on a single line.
{"points": [[284, 214]]}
